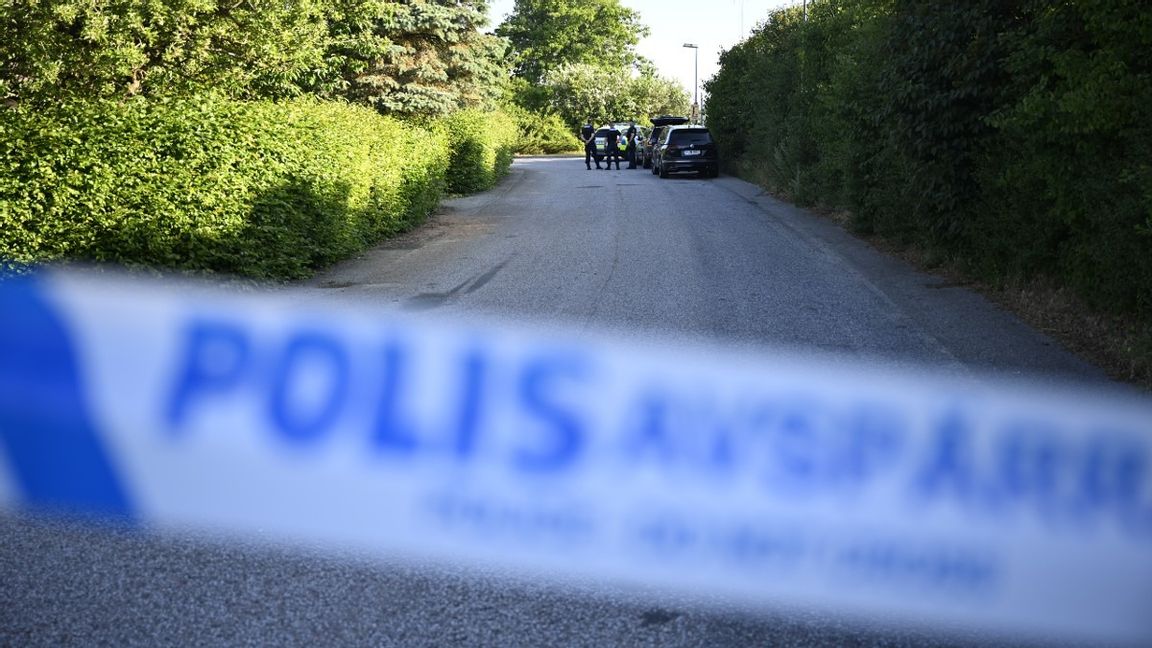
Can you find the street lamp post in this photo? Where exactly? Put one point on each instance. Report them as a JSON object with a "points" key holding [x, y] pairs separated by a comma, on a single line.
{"points": [[695, 81]]}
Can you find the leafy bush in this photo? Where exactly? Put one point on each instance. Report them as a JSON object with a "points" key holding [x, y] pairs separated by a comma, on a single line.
{"points": [[482, 145], [55, 49], [1012, 136], [1071, 169], [539, 132], [208, 184], [404, 59]]}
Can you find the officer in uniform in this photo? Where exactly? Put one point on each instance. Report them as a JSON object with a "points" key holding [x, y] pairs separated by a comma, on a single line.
{"points": [[630, 142], [613, 149], [586, 135]]}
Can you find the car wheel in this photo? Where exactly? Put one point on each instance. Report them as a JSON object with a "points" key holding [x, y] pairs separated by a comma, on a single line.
{"points": [[663, 172]]}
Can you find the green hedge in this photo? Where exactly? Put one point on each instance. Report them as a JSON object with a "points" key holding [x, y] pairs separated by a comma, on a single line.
{"points": [[542, 132], [1014, 137], [482, 146], [208, 184]]}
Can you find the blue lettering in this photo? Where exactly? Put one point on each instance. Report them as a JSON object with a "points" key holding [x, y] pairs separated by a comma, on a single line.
{"points": [[393, 432], [652, 435], [1034, 469], [760, 546], [722, 456], [903, 564], [1029, 461], [305, 354], [949, 466], [674, 431], [796, 448], [474, 368], [1114, 473], [792, 445], [875, 438], [667, 534], [215, 359], [523, 521], [536, 387]]}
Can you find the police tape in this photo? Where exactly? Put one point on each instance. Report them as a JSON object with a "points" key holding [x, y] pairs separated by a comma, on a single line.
{"points": [[767, 480]]}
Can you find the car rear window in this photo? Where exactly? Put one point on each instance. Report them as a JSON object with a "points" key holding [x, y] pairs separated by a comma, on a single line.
{"points": [[691, 136]]}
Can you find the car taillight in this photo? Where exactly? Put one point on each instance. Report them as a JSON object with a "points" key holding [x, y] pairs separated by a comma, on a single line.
{"points": [[672, 150]]}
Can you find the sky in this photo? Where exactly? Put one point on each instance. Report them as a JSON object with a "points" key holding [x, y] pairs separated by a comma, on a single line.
{"points": [[711, 24]]}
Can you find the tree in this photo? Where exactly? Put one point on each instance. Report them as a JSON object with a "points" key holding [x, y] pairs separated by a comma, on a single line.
{"points": [[583, 91], [53, 49], [546, 35], [414, 57], [657, 95]]}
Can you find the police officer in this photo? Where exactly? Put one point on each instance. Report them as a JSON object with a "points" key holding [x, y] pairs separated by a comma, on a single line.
{"points": [[613, 149], [586, 135], [630, 142]]}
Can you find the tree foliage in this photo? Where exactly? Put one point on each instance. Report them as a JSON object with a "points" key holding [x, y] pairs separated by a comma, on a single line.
{"points": [[170, 133], [577, 59], [580, 92], [1013, 136], [415, 57], [99, 48], [1073, 149], [657, 95], [546, 35]]}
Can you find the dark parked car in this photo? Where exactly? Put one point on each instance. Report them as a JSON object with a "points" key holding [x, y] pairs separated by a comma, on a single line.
{"points": [[686, 148], [648, 145]]}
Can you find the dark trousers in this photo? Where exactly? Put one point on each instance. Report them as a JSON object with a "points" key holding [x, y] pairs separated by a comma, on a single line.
{"points": [[631, 157], [613, 154], [590, 155]]}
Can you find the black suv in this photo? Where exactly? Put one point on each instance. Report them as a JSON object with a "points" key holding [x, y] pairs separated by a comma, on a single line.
{"points": [[648, 145], [686, 148]]}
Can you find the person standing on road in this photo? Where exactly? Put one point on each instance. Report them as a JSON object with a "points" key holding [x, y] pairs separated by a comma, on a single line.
{"points": [[586, 135], [613, 149], [630, 143]]}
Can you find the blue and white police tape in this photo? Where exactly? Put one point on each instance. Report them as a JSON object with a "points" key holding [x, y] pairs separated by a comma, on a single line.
{"points": [[762, 480]]}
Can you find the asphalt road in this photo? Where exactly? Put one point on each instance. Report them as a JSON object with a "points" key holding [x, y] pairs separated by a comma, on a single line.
{"points": [[555, 244], [717, 260]]}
